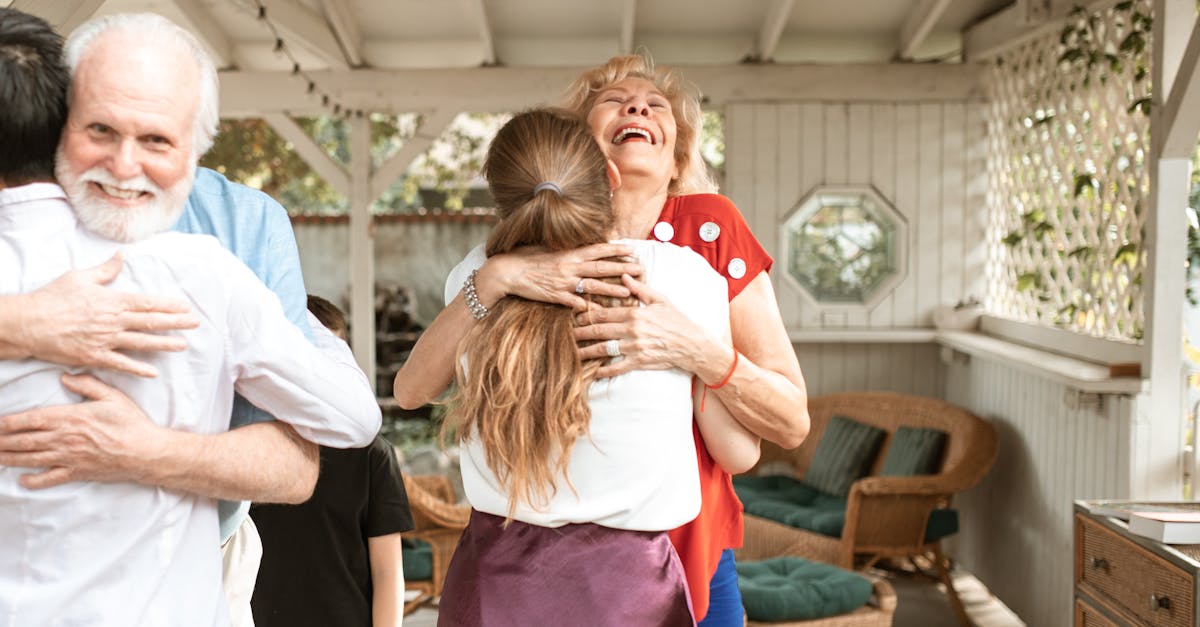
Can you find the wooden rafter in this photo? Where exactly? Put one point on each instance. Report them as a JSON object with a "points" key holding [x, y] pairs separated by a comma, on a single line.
{"points": [[1014, 25], [918, 26], [484, 24], [628, 22], [341, 19], [201, 22], [63, 15], [1181, 113], [303, 26], [333, 172], [772, 29], [500, 89], [432, 125]]}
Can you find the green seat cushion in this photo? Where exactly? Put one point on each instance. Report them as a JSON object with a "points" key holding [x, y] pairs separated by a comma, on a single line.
{"points": [[843, 455], [790, 589], [417, 556], [793, 503], [914, 451]]}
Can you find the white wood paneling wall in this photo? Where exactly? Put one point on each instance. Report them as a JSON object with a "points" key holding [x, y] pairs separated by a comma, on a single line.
{"points": [[905, 368], [1017, 523], [928, 159]]}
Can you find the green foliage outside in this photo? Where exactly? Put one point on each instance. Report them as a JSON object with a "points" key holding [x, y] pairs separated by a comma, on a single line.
{"points": [[446, 176], [249, 151]]}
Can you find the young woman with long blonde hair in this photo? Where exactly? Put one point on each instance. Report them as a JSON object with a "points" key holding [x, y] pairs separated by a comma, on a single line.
{"points": [[574, 480]]}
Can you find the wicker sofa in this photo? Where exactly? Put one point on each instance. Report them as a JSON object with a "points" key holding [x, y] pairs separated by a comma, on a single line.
{"points": [[884, 516]]}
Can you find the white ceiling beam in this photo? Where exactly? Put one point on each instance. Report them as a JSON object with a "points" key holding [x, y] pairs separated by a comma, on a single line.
{"points": [[479, 12], [201, 22], [918, 26], [313, 154], [500, 89], [1013, 26], [1181, 113], [63, 15], [299, 25], [341, 18], [628, 21], [771, 30], [432, 126]]}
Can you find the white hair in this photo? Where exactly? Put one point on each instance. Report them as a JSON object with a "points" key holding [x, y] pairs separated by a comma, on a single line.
{"points": [[163, 34]]}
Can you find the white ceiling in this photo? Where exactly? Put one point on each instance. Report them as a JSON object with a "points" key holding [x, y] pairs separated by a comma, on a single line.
{"points": [[419, 34], [503, 55]]}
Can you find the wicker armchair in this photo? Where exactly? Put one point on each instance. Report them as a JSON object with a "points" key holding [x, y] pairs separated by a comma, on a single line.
{"points": [[438, 521], [885, 516]]}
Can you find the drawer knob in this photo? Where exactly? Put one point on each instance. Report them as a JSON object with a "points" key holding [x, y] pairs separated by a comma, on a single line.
{"points": [[1159, 602], [1099, 563]]}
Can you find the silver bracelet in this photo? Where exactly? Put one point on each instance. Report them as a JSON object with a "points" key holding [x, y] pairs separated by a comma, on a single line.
{"points": [[478, 311]]}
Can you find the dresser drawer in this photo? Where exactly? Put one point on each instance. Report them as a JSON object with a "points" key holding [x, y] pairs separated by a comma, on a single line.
{"points": [[1088, 616], [1127, 575]]}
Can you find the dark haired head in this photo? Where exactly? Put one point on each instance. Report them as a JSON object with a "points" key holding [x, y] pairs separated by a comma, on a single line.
{"points": [[33, 97], [329, 315]]}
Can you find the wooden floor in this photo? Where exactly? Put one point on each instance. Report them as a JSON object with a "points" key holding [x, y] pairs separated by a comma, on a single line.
{"points": [[920, 603]]}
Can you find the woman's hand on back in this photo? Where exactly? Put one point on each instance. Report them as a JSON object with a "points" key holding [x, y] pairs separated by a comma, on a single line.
{"points": [[553, 277], [655, 336]]}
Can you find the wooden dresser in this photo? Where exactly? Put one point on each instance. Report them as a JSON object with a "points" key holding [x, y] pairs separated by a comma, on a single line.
{"points": [[1124, 579]]}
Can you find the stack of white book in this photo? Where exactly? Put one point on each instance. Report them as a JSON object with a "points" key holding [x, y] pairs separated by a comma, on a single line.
{"points": [[1167, 527], [1169, 522]]}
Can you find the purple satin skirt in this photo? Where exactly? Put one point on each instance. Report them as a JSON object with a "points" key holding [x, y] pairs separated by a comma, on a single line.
{"points": [[575, 575]]}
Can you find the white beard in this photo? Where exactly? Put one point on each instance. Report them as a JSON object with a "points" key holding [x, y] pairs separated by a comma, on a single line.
{"points": [[117, 223]]}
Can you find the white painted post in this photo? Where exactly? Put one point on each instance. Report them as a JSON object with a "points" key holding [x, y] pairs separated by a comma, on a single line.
{"points": [[362, 250], [1156, 458]]}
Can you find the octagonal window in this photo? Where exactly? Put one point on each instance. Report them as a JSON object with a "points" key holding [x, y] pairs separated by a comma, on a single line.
{"points": [[845, 246]]}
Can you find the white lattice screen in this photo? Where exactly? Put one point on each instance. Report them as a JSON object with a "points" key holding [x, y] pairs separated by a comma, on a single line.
{"points": [[1068, 181]]}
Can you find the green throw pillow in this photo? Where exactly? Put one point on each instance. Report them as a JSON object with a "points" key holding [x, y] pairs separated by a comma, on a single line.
{"points": [[843, 455], [914, 451]]}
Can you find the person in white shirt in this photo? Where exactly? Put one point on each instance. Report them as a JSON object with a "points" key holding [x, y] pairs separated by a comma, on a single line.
{"points": [[121, 553], [574, 482]]}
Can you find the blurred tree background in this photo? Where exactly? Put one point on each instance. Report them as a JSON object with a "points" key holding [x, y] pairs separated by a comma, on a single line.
{"points": [[445, 177]]}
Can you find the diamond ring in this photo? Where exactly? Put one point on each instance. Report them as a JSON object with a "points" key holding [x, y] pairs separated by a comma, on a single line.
{"points": [[579, 287], [612, 348]]}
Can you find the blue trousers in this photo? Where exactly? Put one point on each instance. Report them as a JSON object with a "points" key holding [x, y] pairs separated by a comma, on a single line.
{"points": [[724, 598]]}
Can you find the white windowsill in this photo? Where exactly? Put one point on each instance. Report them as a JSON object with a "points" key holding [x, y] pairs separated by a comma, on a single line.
{"points": [[1085, 376], [863, 336], [1079, 374]]}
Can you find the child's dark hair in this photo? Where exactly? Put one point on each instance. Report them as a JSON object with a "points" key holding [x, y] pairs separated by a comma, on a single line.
{"points": [[33, 97], [329, 314]]}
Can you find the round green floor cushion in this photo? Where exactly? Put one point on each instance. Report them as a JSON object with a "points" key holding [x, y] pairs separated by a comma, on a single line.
{"points": [[789, 588]]}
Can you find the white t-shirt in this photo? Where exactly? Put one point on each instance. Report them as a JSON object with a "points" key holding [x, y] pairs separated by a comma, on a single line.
{"points": [[637, 470], [127, 555]]}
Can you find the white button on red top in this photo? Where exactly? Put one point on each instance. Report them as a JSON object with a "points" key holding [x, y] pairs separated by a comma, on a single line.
{"points": [[709, 231], [663, 231], [737, 268]]}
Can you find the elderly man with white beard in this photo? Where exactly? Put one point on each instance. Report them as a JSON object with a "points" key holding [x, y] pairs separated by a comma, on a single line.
{"points": [[123, 553]]}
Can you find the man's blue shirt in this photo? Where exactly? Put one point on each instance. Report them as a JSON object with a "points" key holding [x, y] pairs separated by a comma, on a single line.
{"points": [[257, 230]]}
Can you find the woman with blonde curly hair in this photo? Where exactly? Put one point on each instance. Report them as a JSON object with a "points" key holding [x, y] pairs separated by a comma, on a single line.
{"points": [[573, 479], [647, 121]]}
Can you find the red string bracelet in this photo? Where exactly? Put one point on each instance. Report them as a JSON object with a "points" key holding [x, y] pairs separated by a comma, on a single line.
{"points": [[721, 383]]}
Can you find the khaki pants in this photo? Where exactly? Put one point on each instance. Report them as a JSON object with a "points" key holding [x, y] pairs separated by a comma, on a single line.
{"points": [[240, 556]]}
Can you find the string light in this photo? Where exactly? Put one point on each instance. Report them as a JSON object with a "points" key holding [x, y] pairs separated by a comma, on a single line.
{"points": [[311, 87]]}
